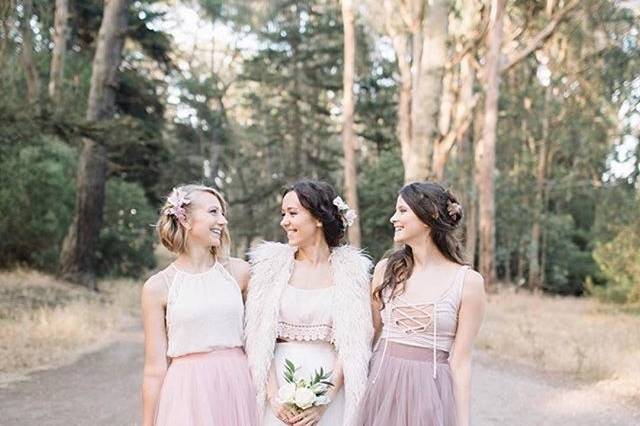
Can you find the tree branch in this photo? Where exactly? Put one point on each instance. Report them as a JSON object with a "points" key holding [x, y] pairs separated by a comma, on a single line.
{"points": [[539, 38]]}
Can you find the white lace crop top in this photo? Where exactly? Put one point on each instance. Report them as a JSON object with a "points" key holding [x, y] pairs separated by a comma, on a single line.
{"points": [[305, 315], [204, 311]]}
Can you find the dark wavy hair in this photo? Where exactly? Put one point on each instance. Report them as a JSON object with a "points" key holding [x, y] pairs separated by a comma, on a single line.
{"points": [[317, 197], [439, 209]]}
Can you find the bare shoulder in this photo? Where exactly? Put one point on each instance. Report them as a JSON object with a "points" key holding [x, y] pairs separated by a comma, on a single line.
{"points": [[240, 270], [155, 289], [473, 285], [238, 266], [381, 266], [378, 273]]}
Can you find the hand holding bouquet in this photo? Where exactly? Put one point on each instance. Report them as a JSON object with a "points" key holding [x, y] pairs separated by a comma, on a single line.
{"points": [[300, 394]]}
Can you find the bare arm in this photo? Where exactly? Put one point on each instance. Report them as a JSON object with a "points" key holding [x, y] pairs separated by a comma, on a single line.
{"points": [[469, 321], [376, 281], [281, 411], [154, 296], [241, 272]]}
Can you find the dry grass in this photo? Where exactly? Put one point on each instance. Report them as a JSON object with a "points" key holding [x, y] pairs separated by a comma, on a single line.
{"points": [[590, 340], [46, 322]]}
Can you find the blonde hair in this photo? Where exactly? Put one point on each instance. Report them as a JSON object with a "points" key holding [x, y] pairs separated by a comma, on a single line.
{"points": [[173, 235]]}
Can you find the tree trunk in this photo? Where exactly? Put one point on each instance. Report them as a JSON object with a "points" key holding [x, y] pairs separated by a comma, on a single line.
{"points": [[446, 138], [30, 69], [427, 90], [6, 20], [485, 149], [80, 244], [535, 276], [348, 134], [60, 34], [467, 187], [404, 96]]}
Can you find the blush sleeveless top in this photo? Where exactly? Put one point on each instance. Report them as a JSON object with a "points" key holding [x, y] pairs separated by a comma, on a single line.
{"points": [[205, 311], [430, 324]]}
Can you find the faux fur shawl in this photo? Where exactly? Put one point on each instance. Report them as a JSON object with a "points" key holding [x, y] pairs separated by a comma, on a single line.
{"points": [[271, 268]]}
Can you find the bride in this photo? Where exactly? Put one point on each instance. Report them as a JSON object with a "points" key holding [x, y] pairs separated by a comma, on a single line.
{"points": [[308, 303]]}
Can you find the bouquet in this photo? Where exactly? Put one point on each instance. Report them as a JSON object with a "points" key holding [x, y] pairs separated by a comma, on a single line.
{"points": [[300, 394]]}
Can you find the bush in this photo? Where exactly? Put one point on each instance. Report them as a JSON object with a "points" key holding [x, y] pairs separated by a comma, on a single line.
{"points": [[37, 199], [36, 202], [619, 259], [568, 263], [379, 186], [127, 236]]}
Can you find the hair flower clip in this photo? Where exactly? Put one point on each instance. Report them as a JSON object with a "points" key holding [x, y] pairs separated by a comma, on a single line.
{"points": [[454, 209], [348, 215], [177, 201]]}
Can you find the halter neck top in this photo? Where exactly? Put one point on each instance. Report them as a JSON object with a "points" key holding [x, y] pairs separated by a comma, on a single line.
{"points": [[204, 311]]}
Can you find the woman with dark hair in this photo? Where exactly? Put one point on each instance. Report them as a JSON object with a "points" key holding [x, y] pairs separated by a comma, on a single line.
{"points": [[428, 306], [309, 303]]}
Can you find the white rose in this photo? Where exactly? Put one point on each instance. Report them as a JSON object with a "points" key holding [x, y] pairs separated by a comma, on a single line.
{"points": [[304, 398], [287, 393]]}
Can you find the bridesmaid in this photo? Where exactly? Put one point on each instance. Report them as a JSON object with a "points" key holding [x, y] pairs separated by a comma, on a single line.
{"points": [[428, 306], [195, 371], [309, 303]]}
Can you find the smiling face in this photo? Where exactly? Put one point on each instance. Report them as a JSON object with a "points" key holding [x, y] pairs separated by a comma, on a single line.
{"points": [[206, 220], [301, 227], [408, 227]]}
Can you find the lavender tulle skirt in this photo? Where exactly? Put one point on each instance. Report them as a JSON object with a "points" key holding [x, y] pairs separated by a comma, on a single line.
{"points": [[208, 389], [402, 391]]}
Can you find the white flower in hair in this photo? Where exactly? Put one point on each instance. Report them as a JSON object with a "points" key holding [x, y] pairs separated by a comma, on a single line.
{"points": [[348, 215], [340, 204]]}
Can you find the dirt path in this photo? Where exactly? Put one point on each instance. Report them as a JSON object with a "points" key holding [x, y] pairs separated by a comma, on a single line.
{"points": [[103, 389]]}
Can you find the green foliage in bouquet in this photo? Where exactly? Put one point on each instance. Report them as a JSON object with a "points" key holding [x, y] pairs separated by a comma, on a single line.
{"points": [[319, 382]]}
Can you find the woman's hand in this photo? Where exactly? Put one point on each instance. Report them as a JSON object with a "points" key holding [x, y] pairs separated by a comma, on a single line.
{"points": [[282, 412], [310, 416]]}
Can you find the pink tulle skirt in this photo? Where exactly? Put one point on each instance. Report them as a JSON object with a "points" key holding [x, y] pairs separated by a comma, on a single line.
{"points": [[208, 389], [403, 392]]}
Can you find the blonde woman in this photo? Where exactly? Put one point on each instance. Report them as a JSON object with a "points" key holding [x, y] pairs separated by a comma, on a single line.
{"points": [[195, 370]]}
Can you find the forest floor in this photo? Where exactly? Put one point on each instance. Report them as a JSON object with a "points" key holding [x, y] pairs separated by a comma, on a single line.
{"points": [[540, 360]]}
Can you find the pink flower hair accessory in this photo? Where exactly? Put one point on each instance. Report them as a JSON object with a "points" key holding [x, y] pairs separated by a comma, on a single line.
{"points": [[177, 201]]}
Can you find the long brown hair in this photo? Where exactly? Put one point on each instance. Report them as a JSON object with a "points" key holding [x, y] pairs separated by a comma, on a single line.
{"points": [[439, 209]]}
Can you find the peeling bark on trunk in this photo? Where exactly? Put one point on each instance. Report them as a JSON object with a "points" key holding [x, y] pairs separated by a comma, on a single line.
{"points": [[427, 90]]}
